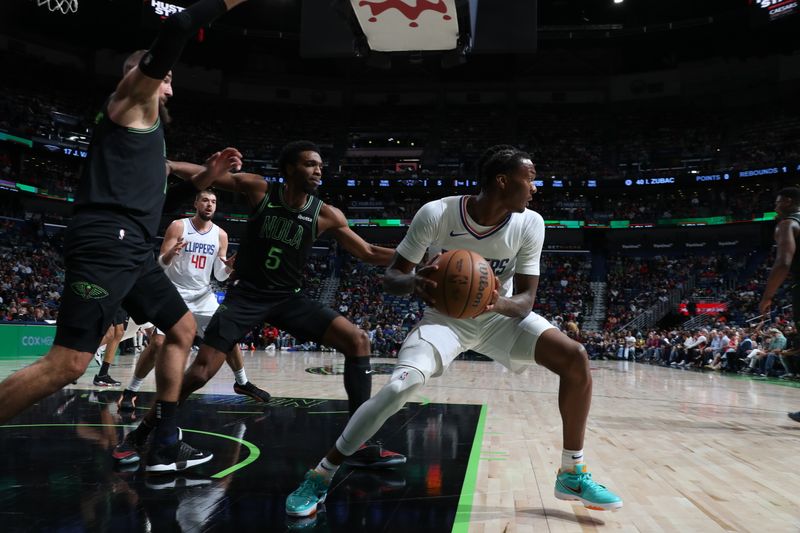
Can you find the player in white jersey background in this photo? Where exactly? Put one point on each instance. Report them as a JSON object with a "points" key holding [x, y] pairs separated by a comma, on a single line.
{"points": [[191, 250], [496, 224]]}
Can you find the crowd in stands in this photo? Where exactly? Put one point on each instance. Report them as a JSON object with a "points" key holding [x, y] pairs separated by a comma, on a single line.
{"points": [[566, 141], [588, 144], [32, 276], [360, 298], [634, 284], [754, 350], [564, 294], [31, 284]]}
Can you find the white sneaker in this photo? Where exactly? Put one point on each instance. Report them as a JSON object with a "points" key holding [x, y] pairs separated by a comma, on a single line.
{"points": [[98, 355]]}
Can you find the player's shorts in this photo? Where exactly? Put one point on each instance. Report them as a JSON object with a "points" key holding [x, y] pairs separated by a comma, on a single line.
{"points": [[202, 306], [108, 265], [120, 317], [201, 321], [246, 306], [509, 341]]}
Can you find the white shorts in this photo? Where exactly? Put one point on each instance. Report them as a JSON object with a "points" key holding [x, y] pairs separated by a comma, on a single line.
{"points": [[201, 321], [202, 306], [492, 335], [204, 303]]}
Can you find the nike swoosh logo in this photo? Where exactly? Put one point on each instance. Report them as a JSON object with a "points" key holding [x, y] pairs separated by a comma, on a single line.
{"points": [[270, 204], [576, 491], [457, 234], [369, 371]]}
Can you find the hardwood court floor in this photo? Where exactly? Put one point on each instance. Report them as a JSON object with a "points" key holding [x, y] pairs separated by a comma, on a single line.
{"points": [[687, 451]]}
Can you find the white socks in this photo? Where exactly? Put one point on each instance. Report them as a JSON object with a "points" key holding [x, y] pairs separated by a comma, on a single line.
{"points": [[136, 384], [241, 377], [570, 458], [326, 469]]}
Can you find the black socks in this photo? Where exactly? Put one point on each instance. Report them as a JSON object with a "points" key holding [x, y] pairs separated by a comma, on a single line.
{"points": [[357, 381]]}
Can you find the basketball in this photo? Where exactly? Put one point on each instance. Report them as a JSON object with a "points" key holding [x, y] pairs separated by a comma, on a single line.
{"points": [[464, 284]]}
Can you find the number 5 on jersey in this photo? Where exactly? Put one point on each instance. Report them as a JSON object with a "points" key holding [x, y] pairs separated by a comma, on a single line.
{"points": [[273, 258], [199, 261]]}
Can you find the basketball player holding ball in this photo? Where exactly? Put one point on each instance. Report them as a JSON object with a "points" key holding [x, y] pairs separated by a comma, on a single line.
{"points": [[498, 226]]}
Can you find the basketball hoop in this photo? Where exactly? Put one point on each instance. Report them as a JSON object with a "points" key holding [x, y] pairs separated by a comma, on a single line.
{"points": [[63, 6]]}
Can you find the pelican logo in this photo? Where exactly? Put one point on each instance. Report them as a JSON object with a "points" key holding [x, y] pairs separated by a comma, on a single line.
{"points": [[89, 291], [411, 12]]}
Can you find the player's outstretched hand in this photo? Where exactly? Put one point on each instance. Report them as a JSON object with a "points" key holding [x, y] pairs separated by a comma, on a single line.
{"points": [[220, 163], [179, 245], [229, 261]]}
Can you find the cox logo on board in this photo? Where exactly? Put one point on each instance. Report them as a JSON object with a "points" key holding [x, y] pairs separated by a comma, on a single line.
{"points": [[36, 341]]}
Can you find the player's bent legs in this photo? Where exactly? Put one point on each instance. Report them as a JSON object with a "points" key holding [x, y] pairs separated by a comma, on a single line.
{"points": [[108, 336], [368, 418], [204, 367], [235, 358], [59, 367], [417, 361], [567, 358], [147, 359], [353, 342], [346, 337], [373, 413], [117, 331], [171, 360]]}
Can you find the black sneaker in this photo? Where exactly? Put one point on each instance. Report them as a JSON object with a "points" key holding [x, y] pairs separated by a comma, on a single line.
{"points": [[127, 400], [795, 416], [175, 457], [248, 389], [130, 449], [375, 456], [105, 381]]}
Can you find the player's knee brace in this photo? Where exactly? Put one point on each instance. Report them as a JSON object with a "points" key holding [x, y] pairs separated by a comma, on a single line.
{"points": [[373, 413], [404, 381]]}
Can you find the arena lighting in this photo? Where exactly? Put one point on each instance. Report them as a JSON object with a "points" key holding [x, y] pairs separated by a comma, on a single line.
{"points": [[618, 1]]}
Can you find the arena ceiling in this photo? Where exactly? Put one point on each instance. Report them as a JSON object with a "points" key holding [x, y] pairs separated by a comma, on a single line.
{"points": [[576, 37]]}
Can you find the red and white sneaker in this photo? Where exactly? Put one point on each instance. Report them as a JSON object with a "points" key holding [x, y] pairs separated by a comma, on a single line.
{"points": [[375, 456]]}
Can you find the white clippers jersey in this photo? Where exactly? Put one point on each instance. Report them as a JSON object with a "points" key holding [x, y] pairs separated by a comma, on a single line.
{"points": [[190, 270], [513, 246]]}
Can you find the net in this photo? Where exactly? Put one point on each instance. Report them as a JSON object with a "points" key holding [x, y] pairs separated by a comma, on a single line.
{"points": [[63, 6]]}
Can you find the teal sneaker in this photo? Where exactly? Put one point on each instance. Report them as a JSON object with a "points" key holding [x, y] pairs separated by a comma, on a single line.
{"points": [[310, 494], [578, 486]]}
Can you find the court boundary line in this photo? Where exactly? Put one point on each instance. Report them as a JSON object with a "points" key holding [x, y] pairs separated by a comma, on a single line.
{"points": [[464, 507]]}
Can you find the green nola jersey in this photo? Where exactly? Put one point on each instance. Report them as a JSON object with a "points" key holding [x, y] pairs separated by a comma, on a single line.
{"points": [[277, 242]]}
